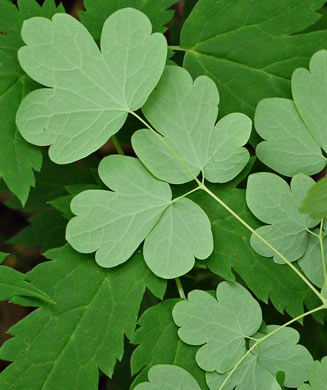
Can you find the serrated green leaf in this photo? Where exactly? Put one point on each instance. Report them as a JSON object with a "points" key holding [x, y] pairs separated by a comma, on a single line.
{"points": [[220, 327], [159, 344], [317, 376], [91, 92], [14, 285], [250, 48], [233, 253], [293, 130], [18, 158], [115, 223], [88, 328], [97, 11], [315, 202], [46, 229], [273, 202], [166, 377], [185, 116], [280, 352]]}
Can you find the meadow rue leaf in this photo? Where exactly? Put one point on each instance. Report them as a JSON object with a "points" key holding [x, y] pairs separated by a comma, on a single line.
{"points": [[277, 204], [14, 285], [278, 353], [91, 92], [88, 328], [219, 325], [97, 11], [311, 263], [294, 130], [184, 112], [315, 202], [250, 48], [115, 223], [18, 159], [317, 376], [234, 254], [166, 377], [158, 343]]}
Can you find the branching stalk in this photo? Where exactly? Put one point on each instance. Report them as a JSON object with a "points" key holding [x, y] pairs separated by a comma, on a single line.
{"points": [[322, 248]]}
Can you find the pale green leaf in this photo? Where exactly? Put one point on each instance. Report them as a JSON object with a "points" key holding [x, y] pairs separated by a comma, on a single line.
{"points": [[91, 92], [113, 224], [86, 330], [273, 202], [250, 48], [159, 344], [167, 377], [278, 353], [97, 11], [315, 202], [18, 159], [220, 327], [182, 233], [185, 113], [317, 376], [294, 130]]}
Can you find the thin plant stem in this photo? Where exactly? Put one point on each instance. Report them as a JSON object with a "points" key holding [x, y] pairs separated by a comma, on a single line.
{"points": [[259, 341], [184, 195], [180, 288], [313, 233], [176, 48], [305, 280], [322, 248], [117, 145]]}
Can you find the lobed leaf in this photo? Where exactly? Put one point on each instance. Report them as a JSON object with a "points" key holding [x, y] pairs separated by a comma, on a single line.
{"points": [[273, 202], [91, 92], [294, 130], [315, 202], [317, 376]]}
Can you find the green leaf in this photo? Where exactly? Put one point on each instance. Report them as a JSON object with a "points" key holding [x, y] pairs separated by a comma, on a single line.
{"points": [[258, 370], [233, 252], [317, 376], [311, 263], [166, 377], [88, 328], [18, 158], [13, 285], [315, 202], [97, 11], [186, 117], [273, 202], [250, 48], [91, 92], [293, 130], [115, 223], [220, 327], [46, 229], [159, 344]]}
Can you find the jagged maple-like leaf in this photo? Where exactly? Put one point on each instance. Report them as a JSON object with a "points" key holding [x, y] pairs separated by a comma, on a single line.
{"points": [[275, 203], [294, 130], [91, 91], [114, 223]]}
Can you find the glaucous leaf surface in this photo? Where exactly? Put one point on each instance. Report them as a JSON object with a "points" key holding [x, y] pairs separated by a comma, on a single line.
{"points": [[184, 112], [13, 285], [91, 91], [317, 376], [315, 202], [97, 11], [279, 353], [294, 130], [167, 377], [113, 224], [219, 324], [87, 328], [275, 203], [18, 159], [233, 254], [250, 48], [158, 343]]}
